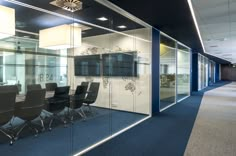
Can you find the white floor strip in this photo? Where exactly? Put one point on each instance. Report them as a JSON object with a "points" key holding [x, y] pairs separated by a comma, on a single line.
{"points": [[110, 137]]}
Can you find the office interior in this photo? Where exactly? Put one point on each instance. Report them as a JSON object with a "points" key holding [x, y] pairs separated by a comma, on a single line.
{"points": [[100, 57], [96, 47]]}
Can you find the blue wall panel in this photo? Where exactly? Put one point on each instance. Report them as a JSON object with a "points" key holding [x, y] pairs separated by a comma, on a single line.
{"points": [[155, 70], [217, 73], [194, 72]]}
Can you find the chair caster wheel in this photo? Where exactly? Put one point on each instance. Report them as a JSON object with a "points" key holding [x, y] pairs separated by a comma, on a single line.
{"points": [[16, 138], [11, 143]]}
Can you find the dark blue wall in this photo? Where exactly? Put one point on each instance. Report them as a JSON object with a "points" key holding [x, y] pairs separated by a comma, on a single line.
{"points": [[155, 70], [194, 72], [217, 73]]}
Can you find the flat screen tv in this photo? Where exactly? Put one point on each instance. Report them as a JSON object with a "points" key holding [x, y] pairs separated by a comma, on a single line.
{"points": [[88, 65], [120, 64]]}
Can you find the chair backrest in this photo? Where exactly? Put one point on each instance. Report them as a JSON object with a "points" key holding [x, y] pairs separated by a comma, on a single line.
{"points": [[79, 96], [93, 91], [33, 105], [34, 87], [60, 100], [81, 91], [7, 106], [86, 84], [9, 88], [62, 91], [51, 86]]}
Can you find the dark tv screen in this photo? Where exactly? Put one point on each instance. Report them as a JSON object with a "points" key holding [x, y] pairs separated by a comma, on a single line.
{"points": [[120, 64], [88, 65]]}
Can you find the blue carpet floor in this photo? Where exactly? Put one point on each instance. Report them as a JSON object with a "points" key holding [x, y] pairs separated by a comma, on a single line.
{"points": [[67, 141], [165, 134]]}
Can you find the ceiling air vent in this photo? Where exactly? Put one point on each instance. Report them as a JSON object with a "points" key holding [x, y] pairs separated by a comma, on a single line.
{"points": [[69, 5], [213, 46]]}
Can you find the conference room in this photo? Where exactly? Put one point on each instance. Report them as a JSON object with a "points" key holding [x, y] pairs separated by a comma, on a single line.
{"points": [[71, 75]]}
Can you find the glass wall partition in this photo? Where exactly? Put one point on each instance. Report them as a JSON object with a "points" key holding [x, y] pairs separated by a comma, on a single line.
{"points": [[211, 72], [167, 72], [118, 59], [199, 73], [202, 72], [27, 66], [103, 58], [207, 70], [183, 72], [174, 72]]}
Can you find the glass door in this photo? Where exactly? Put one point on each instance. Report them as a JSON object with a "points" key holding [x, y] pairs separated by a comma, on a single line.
{"points": [[183, 72], [167, 72]]}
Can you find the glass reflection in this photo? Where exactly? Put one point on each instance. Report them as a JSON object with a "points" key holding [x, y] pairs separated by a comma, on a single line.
{"points": [[121, 96], [167, 73], [183, 75]]}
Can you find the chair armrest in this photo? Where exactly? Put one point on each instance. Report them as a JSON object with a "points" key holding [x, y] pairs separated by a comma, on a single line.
{"points": [[1, 112], [32, 107]]}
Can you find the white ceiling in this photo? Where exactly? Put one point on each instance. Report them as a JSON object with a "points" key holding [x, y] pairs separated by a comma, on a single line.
{"points": [[217, 24]]}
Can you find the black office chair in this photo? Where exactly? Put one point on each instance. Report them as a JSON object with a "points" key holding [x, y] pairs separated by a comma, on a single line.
{"points": [[51, 86], [58, 103], [9, 88], [34, 87], [7, 112], [77, 102], [92, 95], [31, 109], [86, 84]]}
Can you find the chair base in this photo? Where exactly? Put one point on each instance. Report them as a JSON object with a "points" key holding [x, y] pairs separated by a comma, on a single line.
{"points": [[8, 135], [56, 116], [79, 112], [30, 126], [90, 109]]}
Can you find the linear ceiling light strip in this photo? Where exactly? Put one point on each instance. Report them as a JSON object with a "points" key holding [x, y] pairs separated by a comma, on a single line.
{"points": [[70, 18], [27, 32], [196, 24]]}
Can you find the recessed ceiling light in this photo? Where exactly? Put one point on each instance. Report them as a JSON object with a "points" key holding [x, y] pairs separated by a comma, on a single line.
{"points": [[83, 27], [75, 24], [102, 19], [122, 27]]}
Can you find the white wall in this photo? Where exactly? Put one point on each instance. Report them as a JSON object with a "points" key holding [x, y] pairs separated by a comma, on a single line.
{"points": [[128, 94]]}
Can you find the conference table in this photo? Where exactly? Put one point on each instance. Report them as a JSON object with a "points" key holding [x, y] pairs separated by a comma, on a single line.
{"points": [[21, 97]]}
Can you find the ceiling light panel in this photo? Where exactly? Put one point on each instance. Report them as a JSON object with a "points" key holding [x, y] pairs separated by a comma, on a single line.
{"points": [[7, 26], [102, 19], [122, 27]]}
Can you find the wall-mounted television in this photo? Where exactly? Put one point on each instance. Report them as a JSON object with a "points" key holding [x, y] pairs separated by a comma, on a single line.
{"points": [[120, 64], [87, 65]]}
